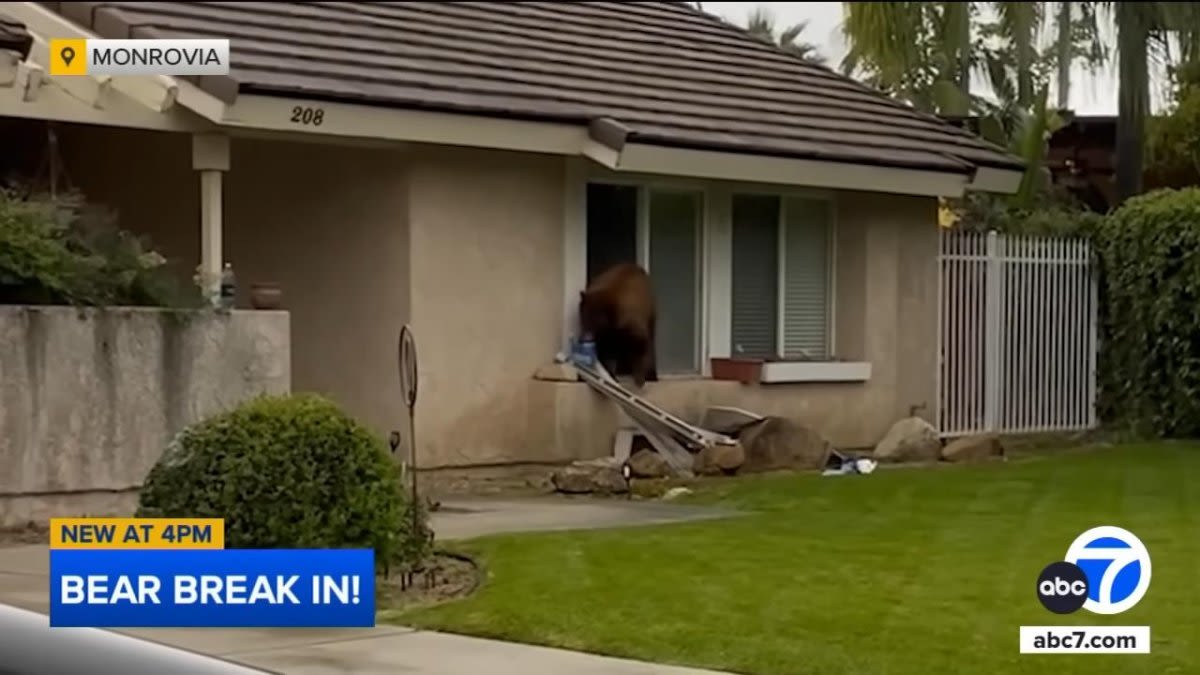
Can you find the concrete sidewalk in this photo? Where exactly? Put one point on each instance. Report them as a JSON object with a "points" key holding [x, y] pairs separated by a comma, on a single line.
{"points": [[467, 518], [24, 581], [403, 650]]}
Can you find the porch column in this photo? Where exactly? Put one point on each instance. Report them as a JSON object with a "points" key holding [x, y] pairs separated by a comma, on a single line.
{"points": [[210, 156]]}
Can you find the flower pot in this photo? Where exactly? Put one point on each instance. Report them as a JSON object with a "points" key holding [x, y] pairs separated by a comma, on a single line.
{"points": [[746, 371], [266, 296]]}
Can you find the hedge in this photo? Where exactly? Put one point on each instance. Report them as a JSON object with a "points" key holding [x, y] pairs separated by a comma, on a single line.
{"points": [[1149, 363]]}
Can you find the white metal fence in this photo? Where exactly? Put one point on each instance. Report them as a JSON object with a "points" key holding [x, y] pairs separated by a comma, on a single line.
{"points": [[1017, 334]]}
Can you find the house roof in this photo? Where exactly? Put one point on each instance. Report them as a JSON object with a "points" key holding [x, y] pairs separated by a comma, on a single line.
{"points": [[663, 72]]}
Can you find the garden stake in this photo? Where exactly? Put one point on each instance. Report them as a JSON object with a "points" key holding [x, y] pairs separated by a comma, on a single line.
{"points": [[408, 382]]}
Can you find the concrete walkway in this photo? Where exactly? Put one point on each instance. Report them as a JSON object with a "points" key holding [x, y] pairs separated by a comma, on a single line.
{"points": [[470, 518], [24, 581]]}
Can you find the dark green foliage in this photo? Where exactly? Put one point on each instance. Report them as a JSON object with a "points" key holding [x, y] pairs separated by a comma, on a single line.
{"points": [[1053, 212], [36, 263], [288, 472], [59, 252], [1150, 314], [1173, 146]]}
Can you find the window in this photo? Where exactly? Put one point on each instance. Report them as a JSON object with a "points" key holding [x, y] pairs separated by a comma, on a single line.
{"points": [[661, 230], [781, 277]]}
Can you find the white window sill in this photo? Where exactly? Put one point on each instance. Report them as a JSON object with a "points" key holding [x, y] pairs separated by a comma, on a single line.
{"points": [[815, 371]]}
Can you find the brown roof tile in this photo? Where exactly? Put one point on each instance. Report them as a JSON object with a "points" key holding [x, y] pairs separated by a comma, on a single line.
{"points": [[672, 75]]}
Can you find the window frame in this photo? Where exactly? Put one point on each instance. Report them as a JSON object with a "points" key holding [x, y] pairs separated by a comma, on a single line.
{"points": [[645, 187], [783, 194], [715, 311]]}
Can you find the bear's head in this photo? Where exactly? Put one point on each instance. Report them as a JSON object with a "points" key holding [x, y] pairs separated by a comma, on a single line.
{"points": [[595, 315]]}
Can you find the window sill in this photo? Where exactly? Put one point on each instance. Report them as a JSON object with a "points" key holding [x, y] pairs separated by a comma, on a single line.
{"points": [[814, 371]]}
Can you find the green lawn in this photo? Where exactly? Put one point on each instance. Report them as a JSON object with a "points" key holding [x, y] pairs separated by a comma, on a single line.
{"points": [[903, 571]]}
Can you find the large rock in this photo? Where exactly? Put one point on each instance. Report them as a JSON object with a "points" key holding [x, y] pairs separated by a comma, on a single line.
{"points": [[717, 459], [910, 440], [603, 476], [649, 464], [779, 443], [973, 448]]}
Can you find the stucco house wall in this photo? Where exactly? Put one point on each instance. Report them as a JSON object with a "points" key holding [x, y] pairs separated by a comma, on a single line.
{"points": [[885, 299], [472, 246], [329, 224], [488, 237], [487, 233]]}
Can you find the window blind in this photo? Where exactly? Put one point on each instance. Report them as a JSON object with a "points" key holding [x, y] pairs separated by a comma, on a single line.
{"points": [[806, 247], [755, 221]]}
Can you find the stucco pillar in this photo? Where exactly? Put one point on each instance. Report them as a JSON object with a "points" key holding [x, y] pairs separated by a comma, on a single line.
{"points": [[210, 156]]}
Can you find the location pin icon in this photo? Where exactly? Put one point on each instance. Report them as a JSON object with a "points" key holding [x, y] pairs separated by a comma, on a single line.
{"points": [[68, 55]]}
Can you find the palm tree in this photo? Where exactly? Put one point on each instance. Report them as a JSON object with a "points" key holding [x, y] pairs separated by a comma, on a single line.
{"points": [[917, 51], [1062, 47], [1020, 22], [1144, 30], [761, 24], [926, 52]]}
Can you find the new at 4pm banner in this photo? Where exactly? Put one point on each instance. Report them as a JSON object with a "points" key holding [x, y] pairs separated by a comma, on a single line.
{"points": [[166, 572]]}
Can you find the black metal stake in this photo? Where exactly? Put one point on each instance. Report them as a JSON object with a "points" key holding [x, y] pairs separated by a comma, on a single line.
{"points": [[408, 382]]}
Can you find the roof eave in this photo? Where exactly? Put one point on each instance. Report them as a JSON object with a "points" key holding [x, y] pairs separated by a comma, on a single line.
{"points": [[998, 180], [643, 158]]}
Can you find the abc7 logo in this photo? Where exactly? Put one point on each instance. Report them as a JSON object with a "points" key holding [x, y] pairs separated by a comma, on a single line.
{"points": [[1117, 584]]}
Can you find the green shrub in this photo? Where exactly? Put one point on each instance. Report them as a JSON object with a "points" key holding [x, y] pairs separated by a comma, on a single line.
{"points": [[1054, 213], [1173, 143], [61, 252], [288, 472], [37, 265], [1149, 364]]}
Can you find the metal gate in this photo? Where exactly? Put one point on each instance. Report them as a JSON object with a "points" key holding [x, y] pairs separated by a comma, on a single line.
{"points": [[1016, 334]]}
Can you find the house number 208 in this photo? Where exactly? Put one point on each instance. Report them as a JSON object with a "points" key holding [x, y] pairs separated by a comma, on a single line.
{"points": [[308, 116]]}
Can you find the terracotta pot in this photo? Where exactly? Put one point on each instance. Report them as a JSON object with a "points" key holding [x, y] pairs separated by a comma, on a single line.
{"points": [[266, 296], [746, 371]]}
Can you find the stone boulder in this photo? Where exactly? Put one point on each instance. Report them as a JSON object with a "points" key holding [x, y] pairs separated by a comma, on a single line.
{"points": [[715, 459], [779, 443], [973, 448], [910, 440], [649, 464], [601, 476]]}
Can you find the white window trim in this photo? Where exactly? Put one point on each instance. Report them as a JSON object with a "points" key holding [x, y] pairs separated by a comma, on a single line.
{"points": [[716, 274], [815, 371]]}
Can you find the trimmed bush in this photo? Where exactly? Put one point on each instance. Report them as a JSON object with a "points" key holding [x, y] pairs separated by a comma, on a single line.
{"points": [[288, 472], [1150, 311]]}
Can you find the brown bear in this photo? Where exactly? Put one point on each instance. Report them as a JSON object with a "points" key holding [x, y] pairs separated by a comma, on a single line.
{"points": [[617, 311]]}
